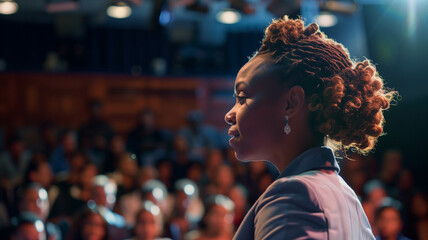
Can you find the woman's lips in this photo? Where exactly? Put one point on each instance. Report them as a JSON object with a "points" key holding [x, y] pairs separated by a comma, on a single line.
{"points": [[233, 134]]}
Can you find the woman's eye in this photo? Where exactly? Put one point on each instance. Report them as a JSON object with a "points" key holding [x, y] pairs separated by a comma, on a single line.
{"points": [[241, 98]]}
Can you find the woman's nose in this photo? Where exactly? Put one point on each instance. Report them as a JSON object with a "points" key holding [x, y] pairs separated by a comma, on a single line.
{"points": [[230, 117]]}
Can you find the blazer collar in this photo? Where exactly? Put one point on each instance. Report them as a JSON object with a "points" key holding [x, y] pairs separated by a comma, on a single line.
{"points": [[313, 159]]}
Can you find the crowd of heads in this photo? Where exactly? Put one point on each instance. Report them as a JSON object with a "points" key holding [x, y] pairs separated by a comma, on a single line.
{"points": [[91, 183]]}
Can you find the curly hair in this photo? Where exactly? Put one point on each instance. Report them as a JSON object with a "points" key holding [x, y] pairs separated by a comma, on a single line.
{"points": [[346, 99]]}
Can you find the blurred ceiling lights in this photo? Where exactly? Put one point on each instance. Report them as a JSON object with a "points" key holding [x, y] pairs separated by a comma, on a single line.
{"points": [[228, 16], [119, 10], [326, 19], [8, 7]]}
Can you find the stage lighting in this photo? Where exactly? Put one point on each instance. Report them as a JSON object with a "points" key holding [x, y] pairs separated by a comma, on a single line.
{"points": [[8, 7], [326, 19], [228, 16], [119, 10]]}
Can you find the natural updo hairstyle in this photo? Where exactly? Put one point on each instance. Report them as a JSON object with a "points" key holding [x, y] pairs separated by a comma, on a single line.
{"points": [[346, 99]]}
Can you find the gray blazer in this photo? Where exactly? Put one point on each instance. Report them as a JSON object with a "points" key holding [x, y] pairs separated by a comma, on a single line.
{"points": [[309, 200]]}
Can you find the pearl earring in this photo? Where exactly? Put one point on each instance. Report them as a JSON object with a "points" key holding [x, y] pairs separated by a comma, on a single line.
{"points": [[287, 128]]}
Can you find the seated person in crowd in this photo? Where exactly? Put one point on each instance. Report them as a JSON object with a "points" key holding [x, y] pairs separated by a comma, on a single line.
{"points": [[60, 158], [389, 223], [187, 210], [147, 141], [103, 197], [89, 225], [74, 197], [13, 162], [148, 222], [33, 198], [27, 226], [217, 223]]}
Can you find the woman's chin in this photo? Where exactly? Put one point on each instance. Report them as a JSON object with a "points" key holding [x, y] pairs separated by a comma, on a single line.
{"points": [[246, 157]]}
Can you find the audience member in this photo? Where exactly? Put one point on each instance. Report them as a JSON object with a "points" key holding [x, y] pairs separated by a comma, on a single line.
{"points": [[33, 198], [116, 150], [374, 196], [391, 166], [199, 136], [223, 181], [103, 197], [239, 195], [217, 223], [186, 211], [417, 227], [95, 135], [89, 225], [38, 171], [389, 223], [166, 173], [149, 143], [129, 203], [13, 162], [148, 223], [76, 196], [60, 158], [125, 175], [27, 226], [48, 138]]}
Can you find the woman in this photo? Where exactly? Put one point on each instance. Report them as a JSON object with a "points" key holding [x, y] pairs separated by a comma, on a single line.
{"points": [[299, 91]]}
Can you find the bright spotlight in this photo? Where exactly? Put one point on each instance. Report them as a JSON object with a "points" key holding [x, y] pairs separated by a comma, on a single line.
{"points": [[228, 16], [8, 7], [119, 10], [326, 19]]}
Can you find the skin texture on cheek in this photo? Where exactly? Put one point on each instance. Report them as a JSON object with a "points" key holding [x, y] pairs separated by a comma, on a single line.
{"points": [[260, 123]]}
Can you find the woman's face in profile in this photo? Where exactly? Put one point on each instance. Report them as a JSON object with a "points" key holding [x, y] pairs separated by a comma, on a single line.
{"points": [[258, 117]]}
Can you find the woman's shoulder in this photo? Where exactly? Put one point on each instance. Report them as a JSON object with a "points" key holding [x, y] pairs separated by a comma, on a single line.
{"points": [[289, 207], [294, 190], [307, 189]]}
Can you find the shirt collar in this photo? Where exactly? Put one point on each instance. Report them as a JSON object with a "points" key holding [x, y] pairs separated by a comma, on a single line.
{"points": [[313, 159]]}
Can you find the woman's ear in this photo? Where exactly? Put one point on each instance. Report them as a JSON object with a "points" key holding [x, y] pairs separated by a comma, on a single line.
{"points": [[296, 99]]}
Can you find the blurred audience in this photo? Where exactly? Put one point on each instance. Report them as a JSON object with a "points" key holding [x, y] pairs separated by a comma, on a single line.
{"points": [[157, 183]]}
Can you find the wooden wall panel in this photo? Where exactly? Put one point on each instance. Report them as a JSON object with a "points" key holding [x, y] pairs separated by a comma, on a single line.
{"points": [[30, 98]]}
